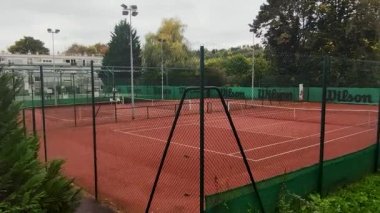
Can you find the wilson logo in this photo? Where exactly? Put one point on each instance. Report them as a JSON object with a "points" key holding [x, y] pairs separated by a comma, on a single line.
{"points": [[345, 96]]}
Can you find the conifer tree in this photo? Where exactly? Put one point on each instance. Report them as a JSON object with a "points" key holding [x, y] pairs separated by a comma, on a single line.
{"points": [[26, 184]]}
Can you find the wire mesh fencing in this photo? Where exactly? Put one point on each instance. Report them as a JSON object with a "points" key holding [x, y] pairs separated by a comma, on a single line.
{"points": [[302, 123]]}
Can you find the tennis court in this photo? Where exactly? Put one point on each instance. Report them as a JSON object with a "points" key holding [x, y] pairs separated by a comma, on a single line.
{"points": [[276, 140]]}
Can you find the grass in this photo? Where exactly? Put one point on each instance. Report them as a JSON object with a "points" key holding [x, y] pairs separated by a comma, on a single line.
{"points": [[363, 196]]}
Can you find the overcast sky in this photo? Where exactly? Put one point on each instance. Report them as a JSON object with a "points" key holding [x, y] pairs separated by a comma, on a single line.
{"points": [[212, 23]]}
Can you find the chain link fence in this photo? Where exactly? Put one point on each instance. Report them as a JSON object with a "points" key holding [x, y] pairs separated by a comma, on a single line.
{"points": [[302, 124]]}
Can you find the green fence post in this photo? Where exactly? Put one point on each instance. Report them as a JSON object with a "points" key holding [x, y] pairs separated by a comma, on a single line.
{"points": [[201, 133], [43, 111], [326, 67], [74, 99], [33, 107], [377, 153], [94, 130]]}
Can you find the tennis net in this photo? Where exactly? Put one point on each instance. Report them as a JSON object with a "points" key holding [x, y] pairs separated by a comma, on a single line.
{"points": [[350, 117], [148, 101]]}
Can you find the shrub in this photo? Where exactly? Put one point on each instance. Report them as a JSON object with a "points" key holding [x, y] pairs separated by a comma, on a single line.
{"points": [[26, 184]]}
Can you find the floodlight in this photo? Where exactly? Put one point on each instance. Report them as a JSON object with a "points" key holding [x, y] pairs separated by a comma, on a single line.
{"points": [[57, 31], [131, 11], [251, 30], [49, 30]]}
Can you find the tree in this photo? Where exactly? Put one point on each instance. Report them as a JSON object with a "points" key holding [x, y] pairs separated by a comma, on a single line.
{"points": [[234, 65], [214, 72], [26, 184], [175, 48], [28, 45], [175, 52], [298, 32], [118, 53], [348, 28], [238, 69], [78, 49], [100, 48]]}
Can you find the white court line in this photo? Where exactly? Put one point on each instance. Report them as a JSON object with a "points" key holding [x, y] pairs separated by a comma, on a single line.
{"points": [[296, 139], [216, 118], [256, 126], [56, 118], [270, 124], [184, 145], [211, 121], [254, 132], [307, 147], [207, 121]]}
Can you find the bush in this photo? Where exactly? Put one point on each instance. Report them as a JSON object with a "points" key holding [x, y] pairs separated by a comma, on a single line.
{"points": [[363, 196], [27, 185]]}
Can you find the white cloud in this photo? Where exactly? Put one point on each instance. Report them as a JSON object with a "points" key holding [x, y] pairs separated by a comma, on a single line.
{"points": [[213, 23]]}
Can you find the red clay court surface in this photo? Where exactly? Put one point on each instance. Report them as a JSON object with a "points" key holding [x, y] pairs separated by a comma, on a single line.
{"points": [[129, 152]]}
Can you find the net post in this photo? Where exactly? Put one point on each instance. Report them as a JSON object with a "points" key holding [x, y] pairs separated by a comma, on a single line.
{"points": [[43, 111], [94, 130], [147, 112], [201, 131], [115, 106], [326, 66], [377, 152]]}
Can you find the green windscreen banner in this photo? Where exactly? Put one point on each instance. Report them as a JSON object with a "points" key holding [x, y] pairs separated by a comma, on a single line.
{"points": [[338, 172], [345, 95], [312, 94]]}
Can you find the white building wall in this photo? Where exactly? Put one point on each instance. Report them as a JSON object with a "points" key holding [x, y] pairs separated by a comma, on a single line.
{"points": [[60, 60], [27, 67]]}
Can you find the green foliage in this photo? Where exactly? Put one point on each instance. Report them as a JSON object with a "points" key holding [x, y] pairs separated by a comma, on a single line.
{"points": [[26, 185], [169, 46], [175, 50], [239, 69], [341, 28], [363, 196], [294, 30], [118, 53], [28, 45], [234, 66], [96, 49]]}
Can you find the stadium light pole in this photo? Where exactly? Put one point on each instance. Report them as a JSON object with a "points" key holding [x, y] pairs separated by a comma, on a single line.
{"points": [[162, 67], [253, 59], [52, 32], [131, 11]]}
